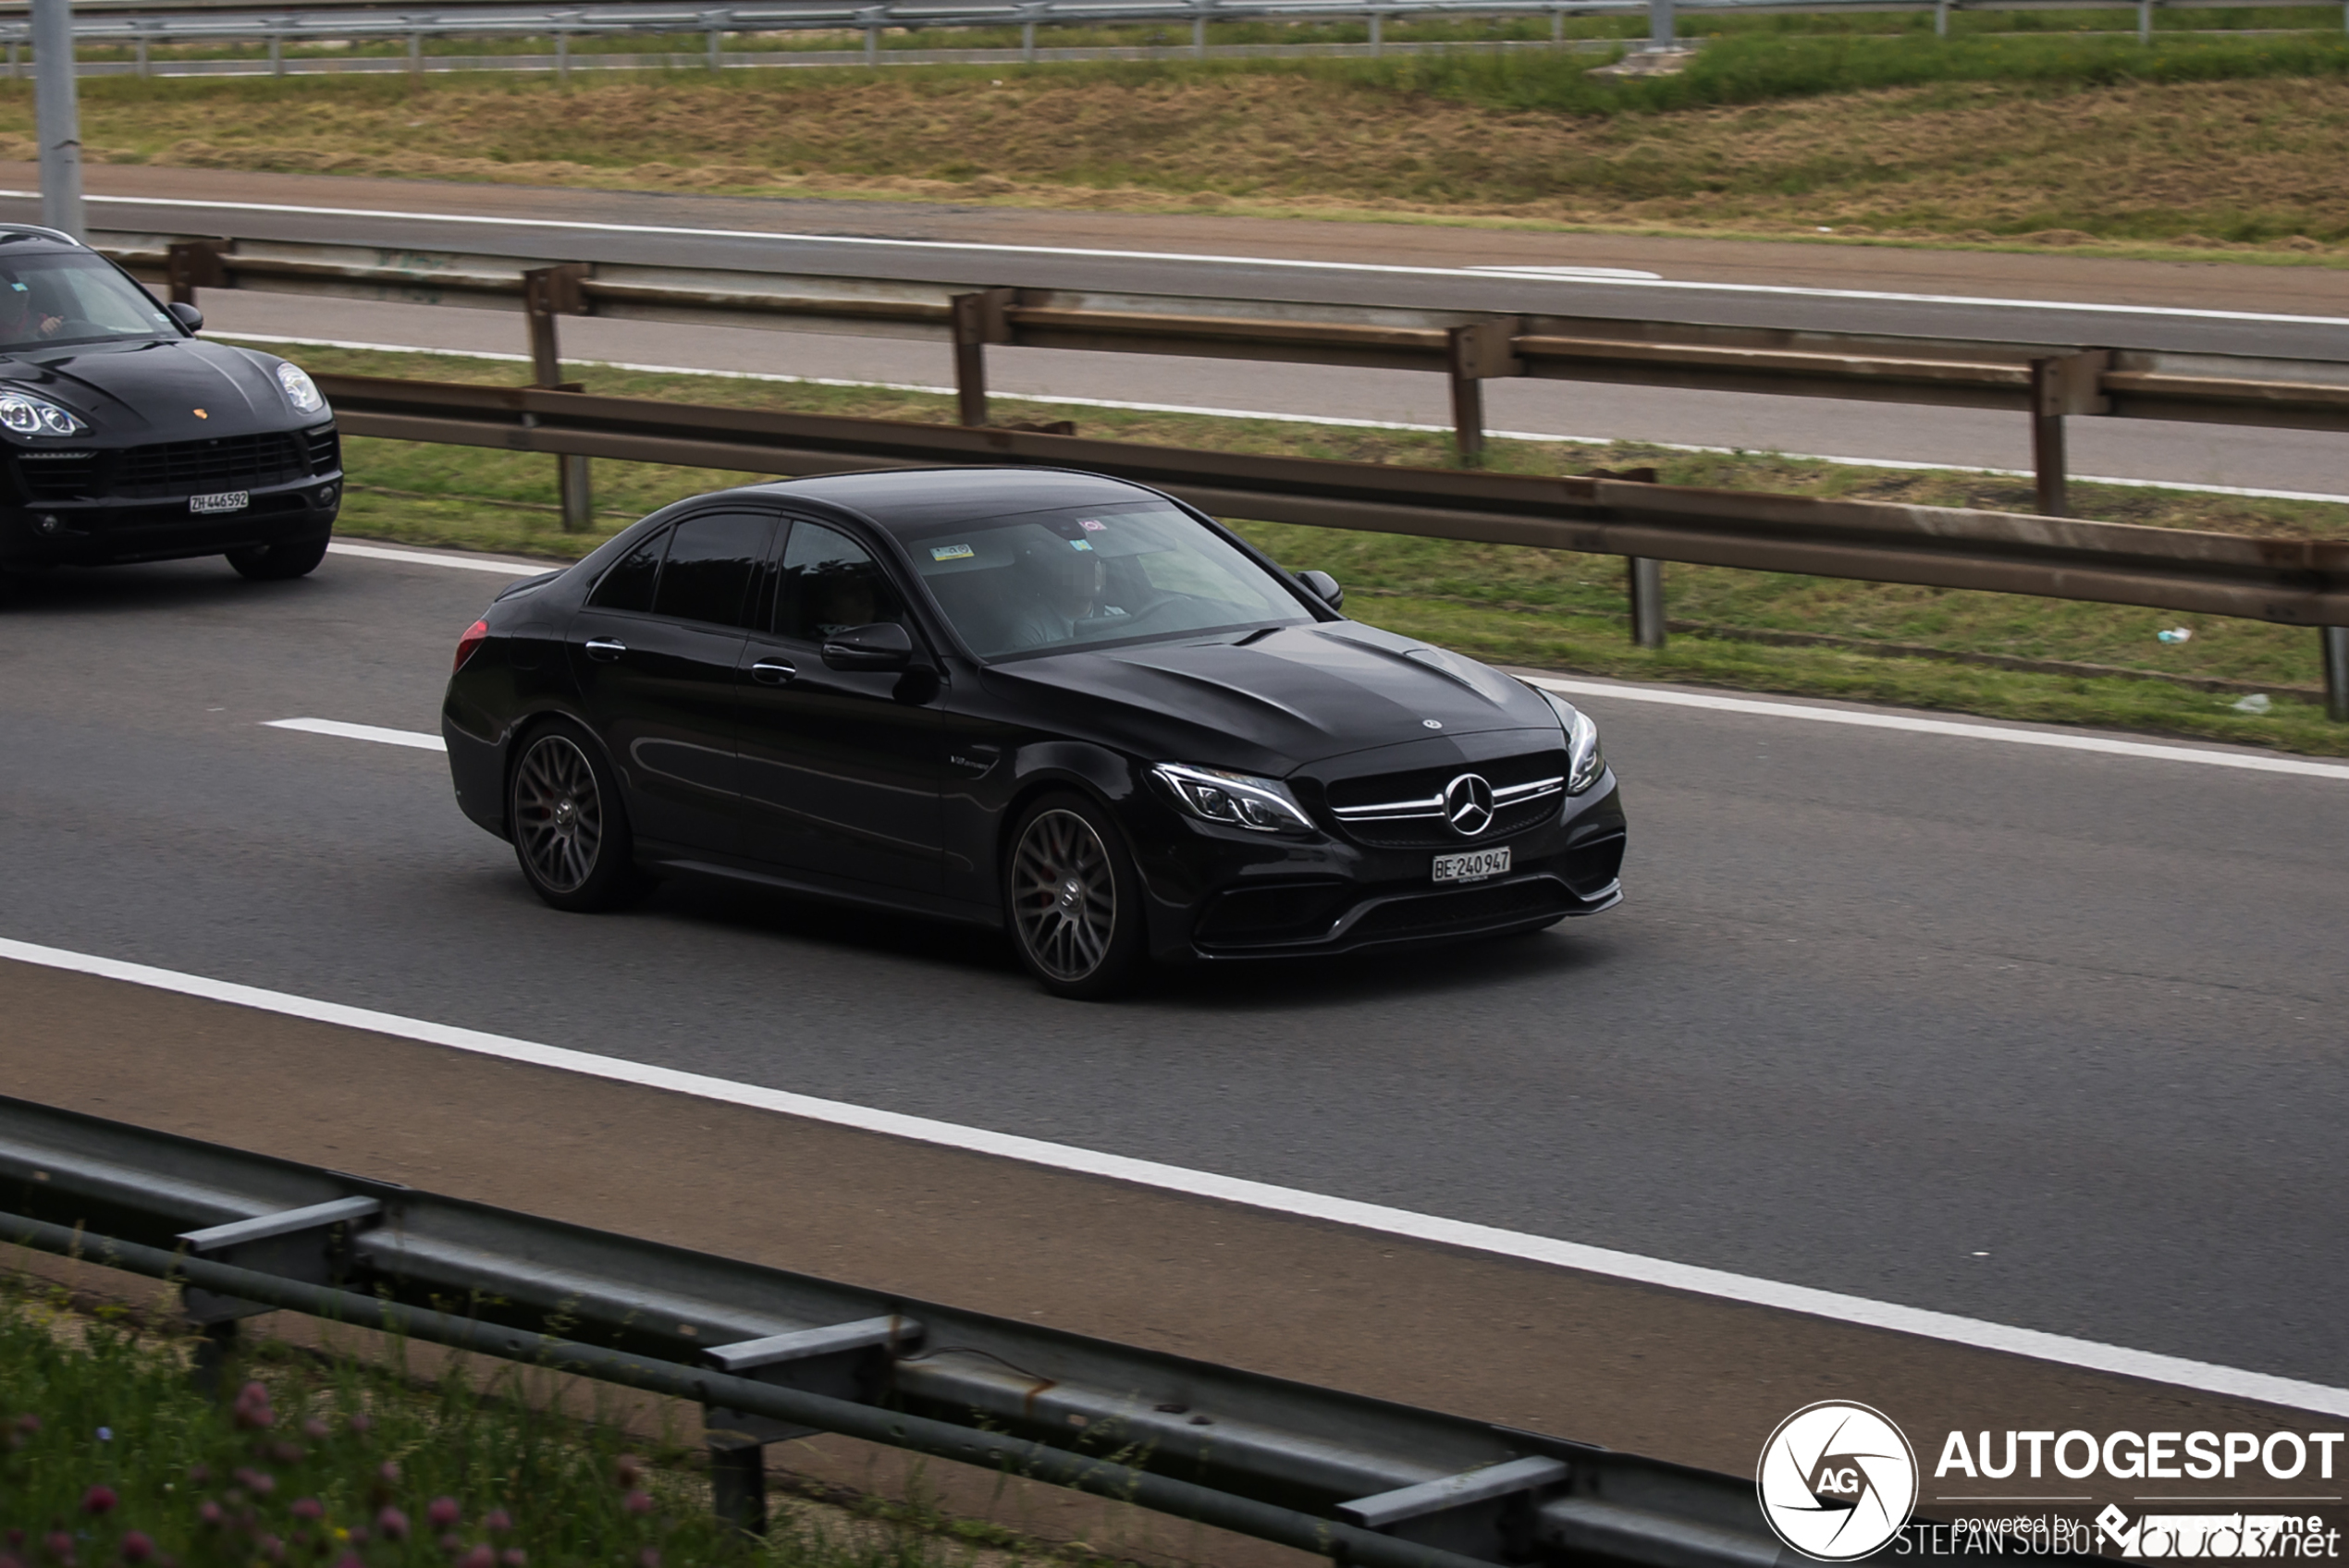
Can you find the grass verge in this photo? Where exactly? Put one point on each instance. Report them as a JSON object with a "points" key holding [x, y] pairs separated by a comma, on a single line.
{"points": [[1921, 648], [109, 1455], [2188, 144]]}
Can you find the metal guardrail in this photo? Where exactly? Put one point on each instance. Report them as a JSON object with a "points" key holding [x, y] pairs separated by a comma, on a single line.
{"points": [[770, 1354], [143, 23], [2293, 582], [2047, 381]]}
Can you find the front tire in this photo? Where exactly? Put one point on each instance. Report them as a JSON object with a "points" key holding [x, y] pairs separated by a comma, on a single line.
{"points": [[280, 563], [570, 827], [1073, 901]]}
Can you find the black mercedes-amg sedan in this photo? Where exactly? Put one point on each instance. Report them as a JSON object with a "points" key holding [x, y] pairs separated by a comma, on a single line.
{"points": [[128, 439], [1064, 705]]}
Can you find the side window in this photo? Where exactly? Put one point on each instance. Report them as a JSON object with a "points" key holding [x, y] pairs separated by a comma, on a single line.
{"points": [[830, 582], [629, 585], [713, 561]]}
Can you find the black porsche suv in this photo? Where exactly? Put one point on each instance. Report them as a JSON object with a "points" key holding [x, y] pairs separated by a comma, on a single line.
{"points": [[128, 439]]}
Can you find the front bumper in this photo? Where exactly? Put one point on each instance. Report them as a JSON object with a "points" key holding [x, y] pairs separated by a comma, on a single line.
{"points": [[80, 502], [114, 533], [1221, 893]]}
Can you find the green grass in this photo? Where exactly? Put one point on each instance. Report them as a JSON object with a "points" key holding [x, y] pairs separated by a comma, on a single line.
{"points": [[1545, 608], [2186, 146], [333, 1461], [1742, 68]]}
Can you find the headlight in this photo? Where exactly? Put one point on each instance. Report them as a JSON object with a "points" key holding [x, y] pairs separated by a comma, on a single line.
{"points": [[301, 391], [1584, 762], [1236, 800], [28, 415]]}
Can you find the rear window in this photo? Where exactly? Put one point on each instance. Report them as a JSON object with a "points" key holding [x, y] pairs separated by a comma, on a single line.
{"points": [[627, 585], [713, 559]]}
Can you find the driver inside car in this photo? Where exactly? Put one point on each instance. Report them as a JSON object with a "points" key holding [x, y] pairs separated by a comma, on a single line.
{"points": [[20, 320], [1063, 582]]}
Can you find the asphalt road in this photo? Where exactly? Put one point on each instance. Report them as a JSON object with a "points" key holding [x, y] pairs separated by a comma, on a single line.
{"points": [[2045, 1037], [2260, 310]]}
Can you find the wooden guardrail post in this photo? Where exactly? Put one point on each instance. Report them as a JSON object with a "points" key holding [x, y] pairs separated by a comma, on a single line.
{"points": [[548, 292], [978, 319], [1477, 352], [2070, 383], [2335, 641], [195, 263]]}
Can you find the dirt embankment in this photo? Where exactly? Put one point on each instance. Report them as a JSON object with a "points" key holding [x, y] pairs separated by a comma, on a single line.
{"points": [[2190, 164]]}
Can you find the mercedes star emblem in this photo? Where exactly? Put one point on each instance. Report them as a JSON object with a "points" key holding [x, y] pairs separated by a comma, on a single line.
{"points": [[1467, 806]]}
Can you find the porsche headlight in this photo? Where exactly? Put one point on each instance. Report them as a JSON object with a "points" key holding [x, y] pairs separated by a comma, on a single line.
{"points": [[1236, 800], [1583, 761], [27, 415], [301, 391]]}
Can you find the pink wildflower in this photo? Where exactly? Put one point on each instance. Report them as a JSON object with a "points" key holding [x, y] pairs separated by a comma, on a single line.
{"points": [[441, 1513], [137, 1546], [99, 1500], [392, 1524], [638, 1503]]}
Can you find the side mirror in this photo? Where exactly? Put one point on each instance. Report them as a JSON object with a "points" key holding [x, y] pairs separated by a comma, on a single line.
{"points": [[187, 315], [1324, 587], [882, 645]]}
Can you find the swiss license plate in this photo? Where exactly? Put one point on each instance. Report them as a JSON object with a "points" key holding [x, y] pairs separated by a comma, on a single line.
{"points": [[226, 501], [1473, 866]]}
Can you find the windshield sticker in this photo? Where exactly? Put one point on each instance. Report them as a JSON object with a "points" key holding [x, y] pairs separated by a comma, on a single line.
{"points": [[1080, 544], [1091, 526], [952, 553]]}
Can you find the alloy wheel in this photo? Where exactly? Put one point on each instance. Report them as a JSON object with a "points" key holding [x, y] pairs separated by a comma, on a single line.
{"points": [[1063, 895], [559, 815]]}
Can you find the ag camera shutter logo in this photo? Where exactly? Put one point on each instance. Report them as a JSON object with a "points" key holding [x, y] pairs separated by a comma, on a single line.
{"points": [[1837, 1480]]}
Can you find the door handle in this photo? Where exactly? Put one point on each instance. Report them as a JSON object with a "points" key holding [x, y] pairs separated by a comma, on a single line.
{"points": [[605, 648], [773, 673]]}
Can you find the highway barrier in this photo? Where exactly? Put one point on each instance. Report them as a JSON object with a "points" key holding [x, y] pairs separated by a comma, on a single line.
{"points": [[2046, 381], [144, 23], [770, 1354], [2299, 582]]}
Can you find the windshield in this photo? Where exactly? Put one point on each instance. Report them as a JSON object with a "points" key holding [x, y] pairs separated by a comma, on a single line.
{"points": [[1046, 581], [72, 297]]}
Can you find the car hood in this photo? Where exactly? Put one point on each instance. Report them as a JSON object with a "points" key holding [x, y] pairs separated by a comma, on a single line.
{"points": [[1276, 701], [149, 390]]}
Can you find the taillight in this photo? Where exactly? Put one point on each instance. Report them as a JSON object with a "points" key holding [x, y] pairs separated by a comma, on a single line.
{"points": [[476, 635]]}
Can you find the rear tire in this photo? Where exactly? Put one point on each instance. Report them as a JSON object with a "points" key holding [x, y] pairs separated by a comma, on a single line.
{"points": [[280, 563], [1072, 898], [569, 825]]}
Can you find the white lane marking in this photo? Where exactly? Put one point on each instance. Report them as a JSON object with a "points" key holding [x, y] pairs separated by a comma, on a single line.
{"points": [[463, 563], [1570, 274], [335, 727], [2062, 1348], [1095, 254], [2144, 749], [1340, 420]]}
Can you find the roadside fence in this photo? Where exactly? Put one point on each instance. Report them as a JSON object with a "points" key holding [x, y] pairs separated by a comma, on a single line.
{"points": [[770, 1355], [2289, 582], [142, 25]]}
